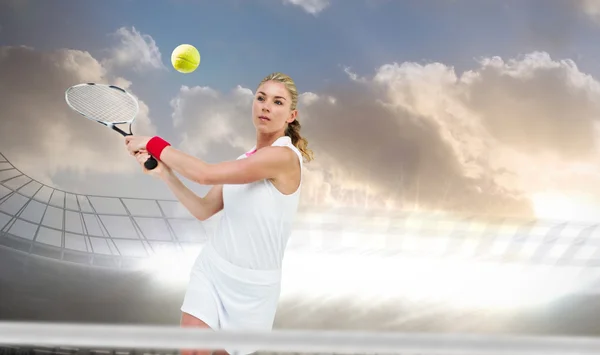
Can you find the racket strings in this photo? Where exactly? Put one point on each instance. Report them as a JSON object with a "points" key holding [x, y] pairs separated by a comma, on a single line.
{"points": [[103, 103], [108, 105], [112, 105]]}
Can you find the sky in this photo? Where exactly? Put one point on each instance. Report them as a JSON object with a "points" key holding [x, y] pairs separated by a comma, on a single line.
{"points": [[459, 106], [448, 106]]}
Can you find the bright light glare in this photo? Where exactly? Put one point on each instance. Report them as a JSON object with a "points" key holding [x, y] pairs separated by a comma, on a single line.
{"points": [[169, 267], [565, 206], [459, 283], [370, 279]]}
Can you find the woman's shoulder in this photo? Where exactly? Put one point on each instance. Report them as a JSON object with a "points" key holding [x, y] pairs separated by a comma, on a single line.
{"points": [[286, 141]]}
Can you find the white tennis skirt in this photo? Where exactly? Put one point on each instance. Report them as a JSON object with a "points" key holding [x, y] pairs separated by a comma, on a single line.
{"points": [[229, 297]]}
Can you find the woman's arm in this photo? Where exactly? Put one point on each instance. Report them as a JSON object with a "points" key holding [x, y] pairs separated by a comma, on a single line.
{"points": [[267, 163], [201, 208]]}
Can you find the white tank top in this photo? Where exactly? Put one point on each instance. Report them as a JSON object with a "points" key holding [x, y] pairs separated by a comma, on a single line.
{"points": [[256, 220]]}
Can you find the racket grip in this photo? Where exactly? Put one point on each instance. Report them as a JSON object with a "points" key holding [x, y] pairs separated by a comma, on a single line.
{"points": [[151, 163]]}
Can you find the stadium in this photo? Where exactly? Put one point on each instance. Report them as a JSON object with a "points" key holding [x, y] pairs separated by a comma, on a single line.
{"points": [[71, 258]]}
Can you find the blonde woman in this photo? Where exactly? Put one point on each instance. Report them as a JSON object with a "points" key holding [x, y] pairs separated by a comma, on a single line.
{"points": [[235, 281]]}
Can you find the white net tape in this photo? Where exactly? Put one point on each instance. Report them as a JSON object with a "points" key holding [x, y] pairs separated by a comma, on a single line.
{"points": [[165, 337]]}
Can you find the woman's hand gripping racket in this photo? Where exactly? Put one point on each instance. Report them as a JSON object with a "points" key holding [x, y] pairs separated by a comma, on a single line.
{"points": [[106, 104]]}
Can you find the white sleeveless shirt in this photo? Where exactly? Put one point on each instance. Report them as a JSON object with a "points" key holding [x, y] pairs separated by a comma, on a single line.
{"points": [[256, 220]]}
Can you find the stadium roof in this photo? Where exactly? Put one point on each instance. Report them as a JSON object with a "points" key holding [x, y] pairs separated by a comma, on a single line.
{"points": [[115, 231]]}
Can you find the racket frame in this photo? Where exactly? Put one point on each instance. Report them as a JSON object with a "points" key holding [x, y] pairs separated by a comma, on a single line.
{"points": [[151, 163]]}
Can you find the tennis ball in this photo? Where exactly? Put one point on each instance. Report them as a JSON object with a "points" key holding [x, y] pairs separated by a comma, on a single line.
{"points": [[185, 58]]}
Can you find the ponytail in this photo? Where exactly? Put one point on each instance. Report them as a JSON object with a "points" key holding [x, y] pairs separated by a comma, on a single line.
{"points": [[293, 131]]}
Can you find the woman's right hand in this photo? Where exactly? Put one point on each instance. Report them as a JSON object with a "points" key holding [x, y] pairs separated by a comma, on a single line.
{"points": [[161, 171]]}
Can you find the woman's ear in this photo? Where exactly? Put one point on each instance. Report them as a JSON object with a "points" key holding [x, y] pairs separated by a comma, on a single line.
{"points": [[292, 116]]}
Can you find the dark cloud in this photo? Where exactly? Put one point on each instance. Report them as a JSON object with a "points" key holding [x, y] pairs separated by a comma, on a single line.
{"points": [[41, 135], [538, 105], [399, 154]]}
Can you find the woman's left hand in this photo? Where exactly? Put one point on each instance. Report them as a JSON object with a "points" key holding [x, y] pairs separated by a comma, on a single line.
{"points": [[136, 144]]}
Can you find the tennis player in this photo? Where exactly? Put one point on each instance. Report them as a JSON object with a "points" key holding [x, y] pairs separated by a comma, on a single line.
{"points": [[235, 281]]}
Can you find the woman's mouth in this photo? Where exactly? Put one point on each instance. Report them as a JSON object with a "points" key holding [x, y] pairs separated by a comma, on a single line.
{"points": [[264, 118]]}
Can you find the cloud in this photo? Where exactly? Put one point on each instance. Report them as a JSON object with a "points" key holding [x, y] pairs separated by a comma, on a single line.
{"points": [[510, 137], [521, 126], [134, 50], [311, 6], [39, 133], [213, 125]]}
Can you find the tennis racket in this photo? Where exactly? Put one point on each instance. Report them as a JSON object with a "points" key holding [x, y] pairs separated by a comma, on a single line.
{"points": [[106, 104]]}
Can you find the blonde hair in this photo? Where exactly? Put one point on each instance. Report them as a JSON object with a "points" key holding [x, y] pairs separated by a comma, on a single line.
{"points": [[293, 128]]}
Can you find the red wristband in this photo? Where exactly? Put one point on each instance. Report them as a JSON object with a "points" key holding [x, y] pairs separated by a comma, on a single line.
{"points": [[155, 146]]}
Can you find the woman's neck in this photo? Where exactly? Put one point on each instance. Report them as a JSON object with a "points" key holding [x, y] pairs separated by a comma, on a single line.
{"points": [[266, 140]]}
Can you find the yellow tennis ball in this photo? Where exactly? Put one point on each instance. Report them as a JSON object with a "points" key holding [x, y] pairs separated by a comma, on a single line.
{"points": [[185, 58]]}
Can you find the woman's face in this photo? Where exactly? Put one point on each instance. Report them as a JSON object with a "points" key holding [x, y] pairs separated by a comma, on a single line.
{"points": [[271, 110]]}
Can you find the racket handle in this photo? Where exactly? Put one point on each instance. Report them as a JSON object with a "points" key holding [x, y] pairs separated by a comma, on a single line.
{"points": [[151, 163]]}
